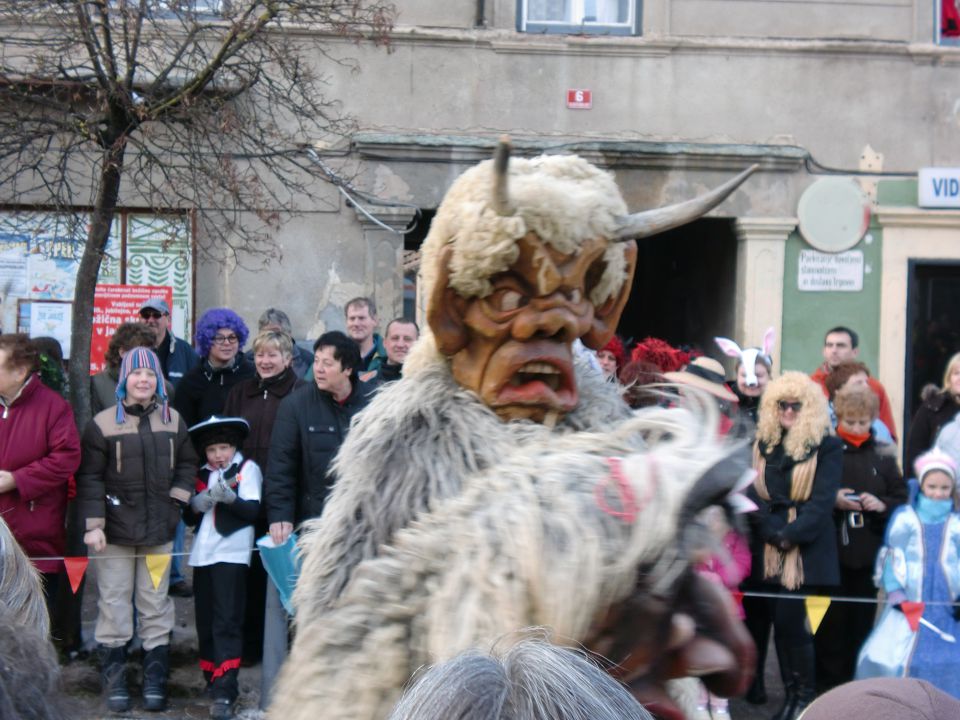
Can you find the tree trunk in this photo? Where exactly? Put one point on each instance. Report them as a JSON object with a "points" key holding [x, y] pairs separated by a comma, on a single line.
{"points": [[97, 237]]}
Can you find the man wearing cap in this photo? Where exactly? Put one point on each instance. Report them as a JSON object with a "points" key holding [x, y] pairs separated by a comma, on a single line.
{"points": [[176, 355]]}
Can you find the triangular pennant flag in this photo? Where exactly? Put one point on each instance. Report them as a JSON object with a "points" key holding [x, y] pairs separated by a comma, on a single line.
{"points": [[816, 608], [76, 567], [737, 596], [157, 565], [912, 611]]}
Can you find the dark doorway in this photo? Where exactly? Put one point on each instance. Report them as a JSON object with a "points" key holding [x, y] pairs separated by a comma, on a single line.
{"points": [[685, 286], [933, 327]]}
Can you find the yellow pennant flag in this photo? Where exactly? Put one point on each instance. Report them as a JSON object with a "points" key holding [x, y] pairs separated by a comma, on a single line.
{"points": [[816, 608], [157, 565]]}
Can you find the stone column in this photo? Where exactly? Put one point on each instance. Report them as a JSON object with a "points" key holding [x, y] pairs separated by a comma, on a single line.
{"points": [[383, 248], [759, 302]]}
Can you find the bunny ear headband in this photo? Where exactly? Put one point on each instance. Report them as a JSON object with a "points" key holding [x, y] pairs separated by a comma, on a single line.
{"points": [[748, 357]]}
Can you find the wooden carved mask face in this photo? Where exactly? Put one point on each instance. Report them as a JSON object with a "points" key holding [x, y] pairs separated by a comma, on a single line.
{"points": [[513, 347]]}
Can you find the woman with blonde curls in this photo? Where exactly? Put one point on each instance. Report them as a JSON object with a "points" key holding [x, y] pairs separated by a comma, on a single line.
{"points": [[794, 544]]}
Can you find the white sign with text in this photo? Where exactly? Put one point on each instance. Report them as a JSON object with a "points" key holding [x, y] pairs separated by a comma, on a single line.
{"points": [[830, 272], [938, 187]]}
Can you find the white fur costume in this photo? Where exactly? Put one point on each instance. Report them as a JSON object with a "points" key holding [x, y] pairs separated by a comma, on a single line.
{"points": [[449, 527]]}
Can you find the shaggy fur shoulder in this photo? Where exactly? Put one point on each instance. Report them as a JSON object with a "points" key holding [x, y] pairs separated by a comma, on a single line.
{"points": [[414, 445], [525, 543]]}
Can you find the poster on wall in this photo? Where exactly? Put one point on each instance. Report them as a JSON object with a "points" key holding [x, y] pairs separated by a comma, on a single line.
{"points": [[116, 304], [52, 319], [159, 253]]}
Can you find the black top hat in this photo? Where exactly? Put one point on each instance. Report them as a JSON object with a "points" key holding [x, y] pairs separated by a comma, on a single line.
{"points": [[231, 430]]}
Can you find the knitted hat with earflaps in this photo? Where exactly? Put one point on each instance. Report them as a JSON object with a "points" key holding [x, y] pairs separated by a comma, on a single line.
{"points": [[136, 358]]}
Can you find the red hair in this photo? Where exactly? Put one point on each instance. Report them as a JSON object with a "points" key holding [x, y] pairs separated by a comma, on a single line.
{"points": [[660, 353], [615, 347]]}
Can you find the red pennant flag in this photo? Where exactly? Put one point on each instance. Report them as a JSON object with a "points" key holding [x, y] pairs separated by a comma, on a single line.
{"points": [[737, 596], [912, 611], [76, 567]]}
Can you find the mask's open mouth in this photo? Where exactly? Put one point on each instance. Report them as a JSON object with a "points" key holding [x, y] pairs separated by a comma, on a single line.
{"points": [[532, 372]]}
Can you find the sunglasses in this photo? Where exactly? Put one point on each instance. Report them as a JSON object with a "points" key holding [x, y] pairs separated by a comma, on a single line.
{"points": [[784, 405], [151, 315]]}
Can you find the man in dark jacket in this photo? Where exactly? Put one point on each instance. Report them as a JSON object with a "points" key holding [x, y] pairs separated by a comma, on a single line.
{"points": [[176, 355], [311, 424], [401, 334]]}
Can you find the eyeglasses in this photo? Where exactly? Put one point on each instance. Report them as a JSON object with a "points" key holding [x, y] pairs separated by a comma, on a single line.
{"points": [[225, 339], [784, 405], [151, 315]]}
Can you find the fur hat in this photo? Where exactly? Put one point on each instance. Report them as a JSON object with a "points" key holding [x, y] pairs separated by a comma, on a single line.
{"points": [[135, 359], [935, 459], [229, 430], [660, 353], [704, 373]]}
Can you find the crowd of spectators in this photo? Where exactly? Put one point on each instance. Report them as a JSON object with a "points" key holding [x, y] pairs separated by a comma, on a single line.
{"points": [[825, 451]]}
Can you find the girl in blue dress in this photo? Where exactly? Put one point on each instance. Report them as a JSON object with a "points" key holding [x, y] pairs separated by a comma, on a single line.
{"points": [[920, 562]]}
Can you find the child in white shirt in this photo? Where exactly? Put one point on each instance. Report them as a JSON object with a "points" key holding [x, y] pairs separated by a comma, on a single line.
{"points": [[223, 512]]}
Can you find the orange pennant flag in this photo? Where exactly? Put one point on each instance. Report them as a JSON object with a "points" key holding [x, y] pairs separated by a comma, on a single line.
{"points": [[76, 567], [912, 611]]}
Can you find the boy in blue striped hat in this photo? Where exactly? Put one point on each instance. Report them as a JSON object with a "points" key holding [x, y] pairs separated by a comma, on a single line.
{"points": [[136, 473]]}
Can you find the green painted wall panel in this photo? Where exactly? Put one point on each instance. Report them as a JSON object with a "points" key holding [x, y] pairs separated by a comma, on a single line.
{"points": [[808, 315]]}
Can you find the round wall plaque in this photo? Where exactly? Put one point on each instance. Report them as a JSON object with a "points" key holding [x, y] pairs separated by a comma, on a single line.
{"points": [[834, 214]]}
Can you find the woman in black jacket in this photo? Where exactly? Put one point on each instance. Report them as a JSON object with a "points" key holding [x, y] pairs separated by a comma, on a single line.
{"points": [[793, 542], [939, 407], [256, 400], [872, 488]]}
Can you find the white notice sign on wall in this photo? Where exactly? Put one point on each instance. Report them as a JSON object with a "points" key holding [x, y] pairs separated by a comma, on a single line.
{"points": [[830, 272]]}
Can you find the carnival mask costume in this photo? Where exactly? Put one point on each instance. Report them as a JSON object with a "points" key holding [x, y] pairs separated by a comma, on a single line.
{"points": [[502, 483]]}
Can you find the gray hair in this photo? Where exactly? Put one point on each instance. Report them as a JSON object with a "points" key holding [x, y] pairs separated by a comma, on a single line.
{"points": [[272, 316], [21, 590], [29, 672], [532, 680]]}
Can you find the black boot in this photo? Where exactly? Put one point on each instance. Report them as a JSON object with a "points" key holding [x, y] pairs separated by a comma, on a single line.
{"points": [[758, 624], [113, 676], [802, 661], [226, 688], [156, 668], [789, 684]]}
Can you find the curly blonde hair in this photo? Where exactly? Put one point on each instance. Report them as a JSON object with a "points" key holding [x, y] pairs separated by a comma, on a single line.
{"points": [[813, 422]]}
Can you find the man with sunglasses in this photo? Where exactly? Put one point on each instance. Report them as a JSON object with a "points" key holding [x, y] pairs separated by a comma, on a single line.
{"points": [[176, 355]]}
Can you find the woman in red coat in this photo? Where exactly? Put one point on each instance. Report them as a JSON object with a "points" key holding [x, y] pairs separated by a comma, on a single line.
{"points": [[39, 453]]}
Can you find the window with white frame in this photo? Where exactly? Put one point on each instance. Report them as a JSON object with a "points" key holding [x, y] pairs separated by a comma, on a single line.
{"points": [[597, 17]]}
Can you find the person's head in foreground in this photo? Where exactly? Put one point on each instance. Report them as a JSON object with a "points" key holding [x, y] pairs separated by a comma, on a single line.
{"points": [[532, 680], [884, 699], [937, 473]]}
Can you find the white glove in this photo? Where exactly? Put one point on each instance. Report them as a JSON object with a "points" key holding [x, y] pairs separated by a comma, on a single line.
{"points": [[222, 493], [202, 502]]}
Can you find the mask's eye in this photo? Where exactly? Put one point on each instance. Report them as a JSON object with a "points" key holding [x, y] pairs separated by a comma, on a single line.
{"points": [[507, 300], [575, 295]]}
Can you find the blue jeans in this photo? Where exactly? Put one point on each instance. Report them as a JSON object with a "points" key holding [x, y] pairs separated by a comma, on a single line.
{"points": [[176, 562]]}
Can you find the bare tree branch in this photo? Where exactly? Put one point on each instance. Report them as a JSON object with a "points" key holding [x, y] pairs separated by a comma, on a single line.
{"points": [[157, 104]]}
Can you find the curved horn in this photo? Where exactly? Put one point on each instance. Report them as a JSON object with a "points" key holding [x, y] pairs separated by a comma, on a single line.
{"points": [[650, 222], [501, 195]]}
